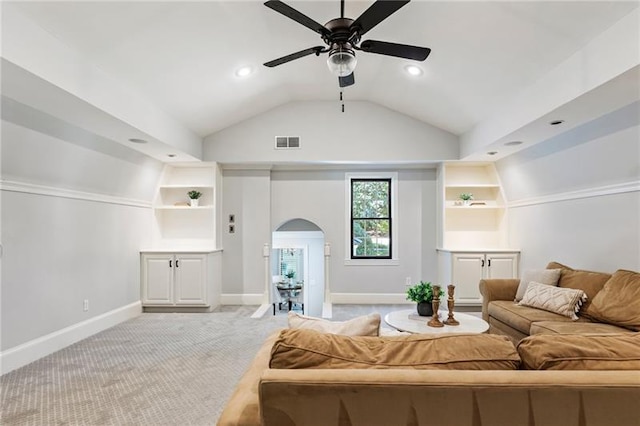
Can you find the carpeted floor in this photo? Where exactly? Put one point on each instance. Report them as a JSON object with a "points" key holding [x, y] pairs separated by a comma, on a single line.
{"points": [[156, 369]]}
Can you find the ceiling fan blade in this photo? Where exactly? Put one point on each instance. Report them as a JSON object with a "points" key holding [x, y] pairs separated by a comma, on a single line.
{"points": [[346, 81], [394, 49], [377, 12], [291, 13], [317, 50]]}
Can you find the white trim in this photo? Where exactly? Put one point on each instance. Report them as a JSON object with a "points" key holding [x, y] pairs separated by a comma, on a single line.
{"points": [[50, 191], [259, 313], [35, 349], [582, 193], [369, 298], [242, 299], [394, 218]]}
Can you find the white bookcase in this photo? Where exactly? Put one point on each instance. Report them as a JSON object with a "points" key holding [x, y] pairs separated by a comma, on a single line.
{"points": [[473, 239], [177, 224]]}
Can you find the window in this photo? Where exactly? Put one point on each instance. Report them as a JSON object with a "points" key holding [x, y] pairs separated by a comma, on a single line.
{"points": [[289, 261], [371, 220]]}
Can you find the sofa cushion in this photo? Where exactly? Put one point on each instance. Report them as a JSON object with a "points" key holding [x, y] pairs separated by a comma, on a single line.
{"points": [[544, 276], [580, 352], [520, 317], [563, 301], [578, 327], [618, 302], [588, 281], [311, 349], [366, 325]]}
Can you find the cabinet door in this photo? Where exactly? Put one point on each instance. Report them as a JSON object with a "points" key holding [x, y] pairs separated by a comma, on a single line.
{"points": [[502, 265], [466, 275], [157, 279], [191, 279]]}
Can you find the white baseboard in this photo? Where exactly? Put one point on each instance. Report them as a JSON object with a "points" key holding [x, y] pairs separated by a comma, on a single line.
{"points": [[259, 313], [369, 298], [28, 352], [242, 299]]}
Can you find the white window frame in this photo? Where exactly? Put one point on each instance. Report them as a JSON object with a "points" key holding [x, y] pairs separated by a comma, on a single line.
{"points": [[394, 219]]}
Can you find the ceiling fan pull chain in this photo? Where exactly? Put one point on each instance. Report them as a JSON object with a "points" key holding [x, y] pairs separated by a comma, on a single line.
{"points": [[341, 100]]}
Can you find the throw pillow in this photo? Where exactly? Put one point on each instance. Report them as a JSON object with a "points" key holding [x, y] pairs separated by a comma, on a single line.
{"points": [[588, 281], [580, 352], [367, 325], [563, 301], [544, 276], [311, 349], [618, 302]]}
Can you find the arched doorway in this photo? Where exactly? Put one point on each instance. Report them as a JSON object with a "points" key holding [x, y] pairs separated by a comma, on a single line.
{"points": [[298, 249]]}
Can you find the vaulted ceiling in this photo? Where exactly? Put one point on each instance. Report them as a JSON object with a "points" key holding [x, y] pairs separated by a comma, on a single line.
{"points": [[182, 56]]}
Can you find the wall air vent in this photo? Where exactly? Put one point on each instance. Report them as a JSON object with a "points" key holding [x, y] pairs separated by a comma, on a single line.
{"points": [[287, 142]]}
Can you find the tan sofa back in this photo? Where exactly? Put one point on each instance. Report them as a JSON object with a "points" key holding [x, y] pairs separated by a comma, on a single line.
{"points": [[474, 398]]}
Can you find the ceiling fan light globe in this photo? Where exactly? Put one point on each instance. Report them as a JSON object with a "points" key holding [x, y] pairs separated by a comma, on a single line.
{"points": [[342, 62]]}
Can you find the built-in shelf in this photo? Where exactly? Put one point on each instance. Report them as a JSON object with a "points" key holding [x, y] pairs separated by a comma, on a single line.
{"points": [[178, 224], [472, 226], [183, 208]]}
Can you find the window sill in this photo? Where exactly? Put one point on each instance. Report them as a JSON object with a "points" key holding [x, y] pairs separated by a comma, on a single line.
{"points": [[371, 262]]}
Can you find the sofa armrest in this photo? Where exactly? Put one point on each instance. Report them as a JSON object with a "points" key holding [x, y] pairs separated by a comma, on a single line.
{"points": [[497, 289]]}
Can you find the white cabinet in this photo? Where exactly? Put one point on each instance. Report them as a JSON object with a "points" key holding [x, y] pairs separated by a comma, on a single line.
{"points": [[180, 279], [466, 269]]}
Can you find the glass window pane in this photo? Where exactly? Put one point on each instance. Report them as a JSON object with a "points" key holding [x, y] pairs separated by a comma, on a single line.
{"points": [[371, 238], [370, 199]]}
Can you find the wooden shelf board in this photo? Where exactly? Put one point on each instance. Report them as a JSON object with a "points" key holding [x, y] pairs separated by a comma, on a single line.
{"points": [[183, 208]]}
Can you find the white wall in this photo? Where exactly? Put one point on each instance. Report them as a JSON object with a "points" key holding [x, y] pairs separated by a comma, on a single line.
{"points": [[575, 199], [73, 220], [366, 132]]}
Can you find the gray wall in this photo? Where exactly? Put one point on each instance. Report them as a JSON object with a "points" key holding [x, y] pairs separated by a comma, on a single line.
{"points": [[246, 194], [365, 133], [575, 198], [319, 196], [58, 251]]}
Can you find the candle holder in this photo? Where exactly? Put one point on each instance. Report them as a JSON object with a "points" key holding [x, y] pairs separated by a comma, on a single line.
{"points": [[450, 302], [435, 302]]}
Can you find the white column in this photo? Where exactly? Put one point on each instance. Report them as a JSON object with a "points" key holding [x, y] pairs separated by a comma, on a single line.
{"points": [[326, 306]]}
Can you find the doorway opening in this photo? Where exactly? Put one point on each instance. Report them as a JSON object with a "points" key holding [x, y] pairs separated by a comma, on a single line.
{"points": [[297, 267]]}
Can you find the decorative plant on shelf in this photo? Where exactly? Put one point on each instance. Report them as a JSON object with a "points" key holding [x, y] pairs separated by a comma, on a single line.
{"points": [[290, 274], [466, 197], [422, 294], [193, 196]]}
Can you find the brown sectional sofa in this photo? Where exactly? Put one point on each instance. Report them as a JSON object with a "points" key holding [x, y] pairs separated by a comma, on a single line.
{"points": [[571, 373], [517, 322]]}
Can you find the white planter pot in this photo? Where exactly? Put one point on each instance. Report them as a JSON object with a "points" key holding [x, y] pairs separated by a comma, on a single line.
{"points": [[194, 202]]}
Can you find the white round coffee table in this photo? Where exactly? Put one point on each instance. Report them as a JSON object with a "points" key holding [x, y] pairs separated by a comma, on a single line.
{"points": [[409, 321]]}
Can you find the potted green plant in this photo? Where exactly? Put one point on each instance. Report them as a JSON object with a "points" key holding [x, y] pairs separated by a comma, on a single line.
{"points": [[290, 274], [422, 294], [466, 198], [193, 197]]}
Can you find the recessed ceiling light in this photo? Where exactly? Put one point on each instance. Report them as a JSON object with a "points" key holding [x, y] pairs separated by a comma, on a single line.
{"points": [[513, 143], [556, 122], [171, 155], [413, 70], [244, 71], [492, 152], [135, 140]]}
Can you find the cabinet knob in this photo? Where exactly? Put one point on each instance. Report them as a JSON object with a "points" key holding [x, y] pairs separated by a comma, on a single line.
{"points": [[482, 264], [177, 265], [170, 263], [489, 263]]}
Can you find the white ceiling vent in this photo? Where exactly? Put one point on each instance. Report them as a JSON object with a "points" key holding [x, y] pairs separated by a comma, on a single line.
{"points": [[287, 142]]}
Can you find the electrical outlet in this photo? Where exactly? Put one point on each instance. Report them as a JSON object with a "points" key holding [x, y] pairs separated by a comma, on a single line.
{"points": [[407, 281], [85, 305]]}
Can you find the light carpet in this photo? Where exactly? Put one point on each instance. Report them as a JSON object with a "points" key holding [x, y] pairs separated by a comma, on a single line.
{"points": [[156, 369]]}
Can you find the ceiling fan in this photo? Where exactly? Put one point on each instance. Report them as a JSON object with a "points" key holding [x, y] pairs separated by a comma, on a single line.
{"points": [[342, 35]]}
